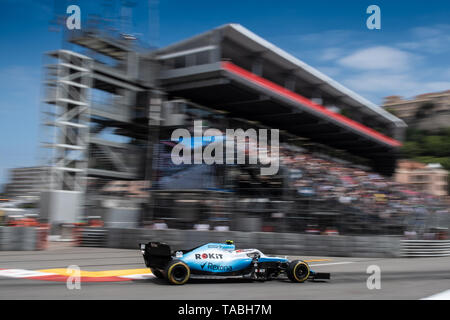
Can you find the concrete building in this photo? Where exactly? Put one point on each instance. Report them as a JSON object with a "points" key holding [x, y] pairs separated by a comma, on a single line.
{"points": [[431, 178], [28, 181], [435, 109]]}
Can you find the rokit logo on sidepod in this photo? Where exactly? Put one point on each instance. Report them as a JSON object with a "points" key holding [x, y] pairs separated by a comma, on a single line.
{"points": [[208, 256]]}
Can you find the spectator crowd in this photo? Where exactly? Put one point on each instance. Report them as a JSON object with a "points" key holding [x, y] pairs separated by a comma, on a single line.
{"points": [[356, 189]]}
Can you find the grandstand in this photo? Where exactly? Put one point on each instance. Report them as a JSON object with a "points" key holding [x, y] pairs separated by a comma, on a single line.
{"points": [[232, 78], [235, 71]]}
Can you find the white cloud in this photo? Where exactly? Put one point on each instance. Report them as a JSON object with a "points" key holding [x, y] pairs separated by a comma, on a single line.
{"points": [[328, 37], [329, 71], [433, 39], [431, 31], [381, 83], [381, 71], [378, 58], [329, 54], [435, 86], [408, 63]]}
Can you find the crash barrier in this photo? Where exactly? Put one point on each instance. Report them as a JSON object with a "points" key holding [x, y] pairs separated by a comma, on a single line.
{"points": [[425, 248], [68, 232], [269, 242], [20, 239], [42, 233], [92, 237]]}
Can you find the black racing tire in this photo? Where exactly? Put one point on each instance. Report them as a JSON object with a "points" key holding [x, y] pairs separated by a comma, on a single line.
{"points": [[158, 273], [177, 272], [298, 271]]}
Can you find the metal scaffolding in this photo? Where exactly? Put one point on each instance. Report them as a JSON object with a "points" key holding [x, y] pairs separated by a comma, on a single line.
{"points": [[99, 113], [68, 83]]}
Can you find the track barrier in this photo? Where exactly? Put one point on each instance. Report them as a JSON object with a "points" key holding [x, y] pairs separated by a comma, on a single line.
{"points": [[425, 248], [92, 237], [35, 238], [269, 242]]}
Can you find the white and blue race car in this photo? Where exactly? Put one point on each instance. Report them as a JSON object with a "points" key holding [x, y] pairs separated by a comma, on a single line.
{"points": [[222, 260]]}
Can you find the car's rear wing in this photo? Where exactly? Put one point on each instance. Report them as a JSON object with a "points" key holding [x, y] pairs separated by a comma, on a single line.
{"points": [[156, 254]]}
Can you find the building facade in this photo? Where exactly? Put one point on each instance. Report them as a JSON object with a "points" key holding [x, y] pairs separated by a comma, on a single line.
{"points": [[28, 181], [431, 178], [427, 111]]}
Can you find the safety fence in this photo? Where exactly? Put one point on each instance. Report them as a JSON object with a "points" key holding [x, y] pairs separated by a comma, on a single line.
{"points": [[425, 248]]}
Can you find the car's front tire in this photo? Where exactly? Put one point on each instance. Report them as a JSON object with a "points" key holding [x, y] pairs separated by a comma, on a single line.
{"points": [[298, 271], [177, 272]]}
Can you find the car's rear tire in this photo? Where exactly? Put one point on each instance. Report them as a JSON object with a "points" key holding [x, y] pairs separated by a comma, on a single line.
{"points": [[158, 273], [177, 272], [298, 271]]}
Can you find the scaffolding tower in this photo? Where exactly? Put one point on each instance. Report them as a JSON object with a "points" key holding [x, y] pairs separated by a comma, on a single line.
{"points": [[68, 84], [98, 104]]}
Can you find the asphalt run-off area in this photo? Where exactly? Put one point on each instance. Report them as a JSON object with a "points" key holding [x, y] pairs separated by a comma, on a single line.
{"points": [[121, 274]]}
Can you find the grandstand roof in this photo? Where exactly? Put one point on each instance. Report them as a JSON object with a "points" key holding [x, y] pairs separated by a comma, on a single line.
{"points": [[256, 44]]}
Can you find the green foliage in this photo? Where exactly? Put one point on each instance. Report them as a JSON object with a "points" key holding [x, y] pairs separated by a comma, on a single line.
{"points": [[425, 147], [438, 146], [412, 149], [445, 162]]}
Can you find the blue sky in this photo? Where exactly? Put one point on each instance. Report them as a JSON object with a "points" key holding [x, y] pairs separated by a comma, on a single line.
{"points": [[408, 56]]}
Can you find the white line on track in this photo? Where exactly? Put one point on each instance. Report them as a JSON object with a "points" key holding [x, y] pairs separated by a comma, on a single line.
{"points": [[445, 295], [143, 276], [21, 273]]}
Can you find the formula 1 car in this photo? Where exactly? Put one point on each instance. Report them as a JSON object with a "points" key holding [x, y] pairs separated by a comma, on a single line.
{"points": [[222, 260]]}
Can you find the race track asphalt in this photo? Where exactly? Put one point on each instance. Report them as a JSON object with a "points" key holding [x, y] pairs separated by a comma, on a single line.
{"points": [[400, 279]]}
